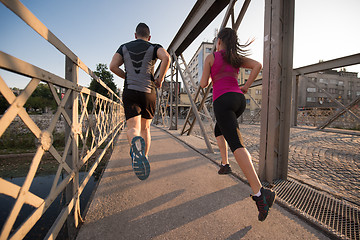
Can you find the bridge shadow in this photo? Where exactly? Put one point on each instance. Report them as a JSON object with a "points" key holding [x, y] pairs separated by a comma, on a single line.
{"points": [[135, 223], [128, 179]]}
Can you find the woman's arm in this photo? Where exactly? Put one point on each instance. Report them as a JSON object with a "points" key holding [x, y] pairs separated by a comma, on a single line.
{"points": [[209, 60], [255, 67]]}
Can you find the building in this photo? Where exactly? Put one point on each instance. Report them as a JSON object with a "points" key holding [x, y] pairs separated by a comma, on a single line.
{"points": [[343, 86], [196, 68], [196, 63], [254, 95]]}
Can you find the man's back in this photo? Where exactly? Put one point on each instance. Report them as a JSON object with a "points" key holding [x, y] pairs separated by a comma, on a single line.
{"points": [[139, 59]]}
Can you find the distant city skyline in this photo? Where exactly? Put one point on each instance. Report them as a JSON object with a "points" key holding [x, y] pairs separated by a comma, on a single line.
{"points": [[324, 30]]}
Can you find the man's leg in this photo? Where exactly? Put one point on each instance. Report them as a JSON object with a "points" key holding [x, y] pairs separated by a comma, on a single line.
{"points": [[145, 133], [134, 126]]}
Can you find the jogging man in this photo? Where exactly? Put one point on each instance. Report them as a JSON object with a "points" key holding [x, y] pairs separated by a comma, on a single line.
{"points": [[139, 96]]}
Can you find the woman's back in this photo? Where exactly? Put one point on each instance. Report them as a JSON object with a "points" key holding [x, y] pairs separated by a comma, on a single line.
{"points": [[224, 76]]}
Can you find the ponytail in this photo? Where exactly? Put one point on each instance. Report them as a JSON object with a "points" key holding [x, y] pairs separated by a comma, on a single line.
{"points": [[234, 51]]}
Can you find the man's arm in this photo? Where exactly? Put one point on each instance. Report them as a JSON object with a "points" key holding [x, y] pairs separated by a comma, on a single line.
{"points": [[164, 57], [115, 64]]}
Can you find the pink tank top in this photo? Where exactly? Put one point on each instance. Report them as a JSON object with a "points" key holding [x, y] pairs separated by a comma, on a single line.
{"points": [[224, 76]]}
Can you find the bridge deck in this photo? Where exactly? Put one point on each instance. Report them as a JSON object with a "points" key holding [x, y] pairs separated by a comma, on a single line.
{"points": [[184, 198]]}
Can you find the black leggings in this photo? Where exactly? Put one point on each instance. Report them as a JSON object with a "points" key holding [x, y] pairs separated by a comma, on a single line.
{"points": [[227, 108]]}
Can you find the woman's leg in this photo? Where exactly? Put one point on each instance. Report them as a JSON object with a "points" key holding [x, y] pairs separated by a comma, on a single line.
{"points": [[223, 147], [243, 158], [227, 109]]}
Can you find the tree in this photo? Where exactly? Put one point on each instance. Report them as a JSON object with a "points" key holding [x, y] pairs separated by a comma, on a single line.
{"points": [[3, 104], [106, 76], [41, 98]]}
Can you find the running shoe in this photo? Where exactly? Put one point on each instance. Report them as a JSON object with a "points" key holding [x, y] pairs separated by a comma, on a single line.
{"points": [[139, 162], [264, 202], [224, 169]]}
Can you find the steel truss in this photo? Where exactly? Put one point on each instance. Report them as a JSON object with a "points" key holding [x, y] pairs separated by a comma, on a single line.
{"points": [[86, 130], [277, 73], [198, 109], [322, 66]]}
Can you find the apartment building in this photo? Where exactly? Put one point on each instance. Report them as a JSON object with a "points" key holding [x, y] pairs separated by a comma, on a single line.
{"points": [[196, 63], [343, 86]]}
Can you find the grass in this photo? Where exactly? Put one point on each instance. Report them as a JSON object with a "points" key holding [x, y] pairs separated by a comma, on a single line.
{"points": [[11, 142], [18, 149]]}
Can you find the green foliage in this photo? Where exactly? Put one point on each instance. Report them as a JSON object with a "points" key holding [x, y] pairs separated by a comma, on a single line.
{"points": [[3, 104], [41, 98], [106, 76]]}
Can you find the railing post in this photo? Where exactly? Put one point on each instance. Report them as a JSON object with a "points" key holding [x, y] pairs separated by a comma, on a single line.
{"points": [[72, 109]]}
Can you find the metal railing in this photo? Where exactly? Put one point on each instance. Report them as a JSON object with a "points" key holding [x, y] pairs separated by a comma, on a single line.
{"points": [[91, 121]]}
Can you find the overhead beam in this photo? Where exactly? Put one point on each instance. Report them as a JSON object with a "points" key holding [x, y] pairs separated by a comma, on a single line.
{"points": [[334, 63], [201, 15]]}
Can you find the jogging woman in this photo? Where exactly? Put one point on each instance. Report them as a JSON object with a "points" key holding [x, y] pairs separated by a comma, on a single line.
{"points": [[229, 103]]}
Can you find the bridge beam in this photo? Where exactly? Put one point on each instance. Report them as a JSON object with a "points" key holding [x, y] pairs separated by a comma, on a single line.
{"points": [[277, 81], [201, 15]]}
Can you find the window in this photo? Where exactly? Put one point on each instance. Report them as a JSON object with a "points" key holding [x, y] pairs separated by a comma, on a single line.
{"points": [[349, 92], [321, 80], [357, 94], [247, 101], [311, 89], [310, 99], [332, 90], [208, 50], [247, 71], [341, 83], [333, 81], [351, 84], [258, 92]]}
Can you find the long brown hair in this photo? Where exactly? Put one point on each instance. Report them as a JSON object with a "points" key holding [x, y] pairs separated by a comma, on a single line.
{"points": [[234, 50]]}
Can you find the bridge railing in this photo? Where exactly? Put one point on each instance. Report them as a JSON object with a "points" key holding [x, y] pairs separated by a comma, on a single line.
{"points": [[91, 124]]}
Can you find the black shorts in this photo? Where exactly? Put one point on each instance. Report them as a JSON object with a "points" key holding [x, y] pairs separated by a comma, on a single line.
{"points": [[139, 103]]}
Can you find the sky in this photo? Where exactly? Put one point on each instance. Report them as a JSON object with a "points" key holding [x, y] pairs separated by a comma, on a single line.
{"points": [[93, 30]]}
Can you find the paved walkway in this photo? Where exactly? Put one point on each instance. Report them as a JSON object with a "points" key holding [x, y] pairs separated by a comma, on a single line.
{"points": [[184, 198], [327, 160]]}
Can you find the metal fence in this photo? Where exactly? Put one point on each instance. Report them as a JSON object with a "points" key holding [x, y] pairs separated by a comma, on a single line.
{"points": [[91, 123]]}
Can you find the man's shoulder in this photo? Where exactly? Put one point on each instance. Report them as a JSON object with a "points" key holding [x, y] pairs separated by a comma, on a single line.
{"points": [[156, 45], [129, 44]]}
